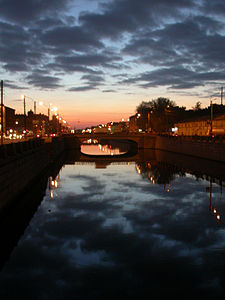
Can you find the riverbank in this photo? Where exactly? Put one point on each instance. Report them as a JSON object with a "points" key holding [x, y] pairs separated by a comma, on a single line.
{"points": [[21, 163], [211, 149]]}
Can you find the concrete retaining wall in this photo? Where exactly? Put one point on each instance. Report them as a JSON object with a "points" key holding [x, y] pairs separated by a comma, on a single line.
{"points": [[72, 142], [21, 162], [207, 150], [147, 142]]}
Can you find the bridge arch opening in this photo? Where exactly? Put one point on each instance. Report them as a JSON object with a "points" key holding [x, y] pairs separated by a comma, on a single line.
{"points": [[108, 147]]}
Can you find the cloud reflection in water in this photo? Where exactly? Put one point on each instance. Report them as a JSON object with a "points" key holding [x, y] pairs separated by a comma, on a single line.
{"points": [[111, 233]]}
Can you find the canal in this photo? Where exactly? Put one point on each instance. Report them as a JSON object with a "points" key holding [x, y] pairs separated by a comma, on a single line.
{"points": [[150, 226]]}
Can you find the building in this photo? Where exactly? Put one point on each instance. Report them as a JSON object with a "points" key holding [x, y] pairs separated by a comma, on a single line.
{"points": [[140, 122], [8, 118], [32, 123], [117, 127], [37, 123], [133, 123], [201, 127]]}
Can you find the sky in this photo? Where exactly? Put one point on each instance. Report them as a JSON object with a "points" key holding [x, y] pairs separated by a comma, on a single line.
{"points": [[96, 60]]}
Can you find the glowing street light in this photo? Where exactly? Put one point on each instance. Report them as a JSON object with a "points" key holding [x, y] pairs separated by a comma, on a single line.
{"points": [[211, 121], [24, 112], [54, 109]]}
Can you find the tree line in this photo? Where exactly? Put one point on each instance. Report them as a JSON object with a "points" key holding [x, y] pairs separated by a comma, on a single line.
{"points": [[162, 113]]}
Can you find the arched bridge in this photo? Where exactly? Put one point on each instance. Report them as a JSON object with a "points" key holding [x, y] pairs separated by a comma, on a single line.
{"points": [[142, 140]]}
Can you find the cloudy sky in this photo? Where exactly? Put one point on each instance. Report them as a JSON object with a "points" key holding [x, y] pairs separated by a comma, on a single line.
{"points": [[98, 59]]}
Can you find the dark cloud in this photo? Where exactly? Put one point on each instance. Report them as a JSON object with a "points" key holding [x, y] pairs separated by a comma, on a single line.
{"points": [[10, 84], [37, 79], [177, 78], [70, 68], [92, 81], [216, 7], [180, 36], [17, 53], [25, 11], [66, 38], [122, 16], [109, 91], [93, 78], [82, 88], [193, 46], [93, 60]]}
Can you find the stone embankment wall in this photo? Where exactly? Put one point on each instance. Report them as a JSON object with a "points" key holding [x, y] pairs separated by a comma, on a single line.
{"points": [[147, 142], [207, 149], [21, 162]]}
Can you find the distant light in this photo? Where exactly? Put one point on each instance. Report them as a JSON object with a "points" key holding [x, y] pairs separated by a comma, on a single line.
{"points": [[214, 211], [218, 217], [123, 120], [41, 103], [22, 96], [174, 129], [140, 130]]}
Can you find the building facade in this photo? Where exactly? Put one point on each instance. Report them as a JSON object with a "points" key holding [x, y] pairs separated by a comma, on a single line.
{"points": [[201, 128], [8, 119]]}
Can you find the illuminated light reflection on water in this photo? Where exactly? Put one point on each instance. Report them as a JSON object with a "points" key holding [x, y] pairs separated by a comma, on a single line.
{"points": [[101, 150], [132, 230]]}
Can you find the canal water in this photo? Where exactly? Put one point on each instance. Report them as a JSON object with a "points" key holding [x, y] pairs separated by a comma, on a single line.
{"points": [[107, 227]]}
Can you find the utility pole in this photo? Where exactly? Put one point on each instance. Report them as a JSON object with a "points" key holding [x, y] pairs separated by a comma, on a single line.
{"points": [[2, 117], [35, 107], [24, 112], [211, 123], [221, 95]]}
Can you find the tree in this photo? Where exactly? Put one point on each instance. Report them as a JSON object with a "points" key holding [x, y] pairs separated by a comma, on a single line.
{"points": [[161, 113], [159, 104], [197, 106]]}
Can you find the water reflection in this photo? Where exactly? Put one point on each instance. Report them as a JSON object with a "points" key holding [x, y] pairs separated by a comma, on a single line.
{"points": [[107, 147], [138, 229], [15, 217]]}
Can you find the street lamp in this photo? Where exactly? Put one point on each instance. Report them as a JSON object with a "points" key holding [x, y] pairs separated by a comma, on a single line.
{"points": [[211, 115], [24, 112], [54, 109]]}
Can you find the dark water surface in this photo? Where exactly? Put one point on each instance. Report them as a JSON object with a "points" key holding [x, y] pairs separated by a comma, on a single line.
{"points": [[130, 229]]}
